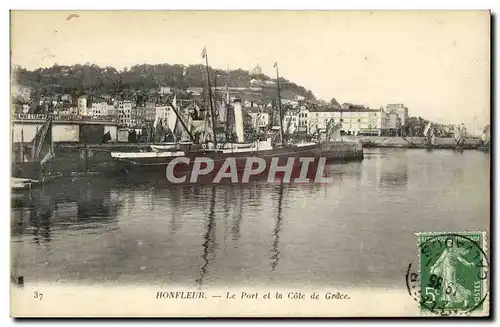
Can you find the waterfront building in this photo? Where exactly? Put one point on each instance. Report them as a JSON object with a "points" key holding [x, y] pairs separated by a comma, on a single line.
{"points": [[303, 119], [162, 112], [66, 128], [103, 108], [355, 120], [66, 98], [165, 90], [137, 115], [258, 117], [291, 120], [400, 110], [124, 113], [195, 90], [393, 121], [396, 116], [66, 109], [82, 106], [293, 103], [149, 111], [112, 109]]}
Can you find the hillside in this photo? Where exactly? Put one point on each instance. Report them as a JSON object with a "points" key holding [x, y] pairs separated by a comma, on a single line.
{"points": [[95, 80]]}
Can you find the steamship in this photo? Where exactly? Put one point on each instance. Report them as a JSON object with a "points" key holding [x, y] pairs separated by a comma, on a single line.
{"points": [[153, 165]]}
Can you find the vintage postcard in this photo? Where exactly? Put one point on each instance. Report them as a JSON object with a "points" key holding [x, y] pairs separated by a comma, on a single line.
{"points": [[250, 164]]}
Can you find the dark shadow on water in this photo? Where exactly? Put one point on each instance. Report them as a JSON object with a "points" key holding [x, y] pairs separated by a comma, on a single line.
{"points": [[70, 204], [275, 257], [209, 237], [394, 172], [235, 228]]}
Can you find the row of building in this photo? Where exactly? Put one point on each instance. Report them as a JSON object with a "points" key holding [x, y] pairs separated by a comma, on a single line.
{"points": [[125, 112], [298, 117], [354, 120]]}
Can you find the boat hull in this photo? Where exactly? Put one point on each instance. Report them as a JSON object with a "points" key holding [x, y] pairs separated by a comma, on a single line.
{"points": [[153, 169]]}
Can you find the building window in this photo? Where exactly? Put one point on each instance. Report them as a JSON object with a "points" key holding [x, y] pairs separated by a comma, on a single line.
{"points": [[341, 120], [359, 120]]}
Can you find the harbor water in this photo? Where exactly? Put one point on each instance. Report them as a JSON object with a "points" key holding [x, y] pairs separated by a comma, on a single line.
{"points": [[357, 230]]}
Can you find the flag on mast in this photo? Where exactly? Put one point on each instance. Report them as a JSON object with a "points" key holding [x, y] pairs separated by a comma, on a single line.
{"points": [[204, 52], [275, 64]]}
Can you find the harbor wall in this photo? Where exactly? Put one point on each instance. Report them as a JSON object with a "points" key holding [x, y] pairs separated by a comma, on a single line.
{"points": [[409, 142], [342, 151]]}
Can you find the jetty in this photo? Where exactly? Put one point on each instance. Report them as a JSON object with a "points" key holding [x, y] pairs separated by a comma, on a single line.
{"points": [[414, 142]]}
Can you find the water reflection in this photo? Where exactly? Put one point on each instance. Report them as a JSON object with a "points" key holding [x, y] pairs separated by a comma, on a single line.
{"points": [[41, 224], [237, 217], [275, 257], [209, 237], [394, 171], [356, 229], [74, 204]]}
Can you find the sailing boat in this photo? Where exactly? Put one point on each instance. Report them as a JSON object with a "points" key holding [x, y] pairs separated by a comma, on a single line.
{"points": [[485, 139], [459, 133], [430, 137], [154, 165], [173, 138], [28, 170]]}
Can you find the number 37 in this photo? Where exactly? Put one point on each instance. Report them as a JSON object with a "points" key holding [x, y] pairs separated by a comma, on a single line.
{"points": [[38, 295]]}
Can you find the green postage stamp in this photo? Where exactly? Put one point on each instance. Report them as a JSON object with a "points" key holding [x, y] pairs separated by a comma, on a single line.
{"points": [[453, 273]]}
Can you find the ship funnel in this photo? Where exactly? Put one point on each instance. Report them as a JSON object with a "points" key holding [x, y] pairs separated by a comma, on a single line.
{"points": [[238, 121]]}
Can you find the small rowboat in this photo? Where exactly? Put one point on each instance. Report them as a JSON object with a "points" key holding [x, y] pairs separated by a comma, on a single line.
{"points": [[23, 183], [20, 184]]}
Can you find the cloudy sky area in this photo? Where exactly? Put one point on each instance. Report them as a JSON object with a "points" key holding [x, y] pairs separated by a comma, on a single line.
{"points": [[436, 63]]}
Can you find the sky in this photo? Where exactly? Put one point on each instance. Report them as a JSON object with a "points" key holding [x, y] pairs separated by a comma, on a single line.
{"points": [[436, 63]]}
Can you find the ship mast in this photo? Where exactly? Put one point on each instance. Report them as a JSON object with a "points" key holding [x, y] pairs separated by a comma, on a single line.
{"points": [[212, 115], [279, 102], [227, 107]]}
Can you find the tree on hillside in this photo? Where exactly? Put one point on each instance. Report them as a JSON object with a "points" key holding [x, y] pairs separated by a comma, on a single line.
{"points": [[92, 79], [334, 102]]}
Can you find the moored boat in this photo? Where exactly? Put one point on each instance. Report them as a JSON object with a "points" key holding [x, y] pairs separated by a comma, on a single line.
{"points": [[185, 159], [28, 168]]}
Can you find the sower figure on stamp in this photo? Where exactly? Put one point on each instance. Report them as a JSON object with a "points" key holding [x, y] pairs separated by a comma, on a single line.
{"points": [[446, 268]]}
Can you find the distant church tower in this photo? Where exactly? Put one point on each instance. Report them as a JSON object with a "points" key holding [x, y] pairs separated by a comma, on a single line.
{"points": [[256, 70]]}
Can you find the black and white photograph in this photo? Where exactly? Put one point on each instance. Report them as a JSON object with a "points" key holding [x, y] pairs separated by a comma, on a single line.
{"points": [[170, 163]]}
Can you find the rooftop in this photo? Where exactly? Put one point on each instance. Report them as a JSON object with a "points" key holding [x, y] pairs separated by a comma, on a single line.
{"points": [[337, 109]]}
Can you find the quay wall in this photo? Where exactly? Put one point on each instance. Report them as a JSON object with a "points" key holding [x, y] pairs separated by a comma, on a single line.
{"points": [[409, 142], [342, 151]]}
